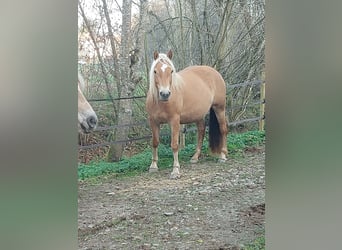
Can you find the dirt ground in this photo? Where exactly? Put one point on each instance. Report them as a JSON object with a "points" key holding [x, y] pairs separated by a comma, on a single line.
{"points": [[212, 206]]}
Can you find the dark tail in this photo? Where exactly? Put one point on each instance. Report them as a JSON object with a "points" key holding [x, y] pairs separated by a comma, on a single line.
{"points": [[215, 141]]}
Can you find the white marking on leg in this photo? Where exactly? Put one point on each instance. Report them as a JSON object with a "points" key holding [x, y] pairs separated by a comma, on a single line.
{"points": [[175, 172], [175, 159], [222, 158], [154, 166]]}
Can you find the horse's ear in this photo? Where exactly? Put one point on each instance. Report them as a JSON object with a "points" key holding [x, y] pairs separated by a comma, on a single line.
{"points": [[155, 55], [169, 54]]}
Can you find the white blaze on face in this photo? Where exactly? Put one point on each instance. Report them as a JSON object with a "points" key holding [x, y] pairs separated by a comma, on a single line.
{"points": [[163, 67]]}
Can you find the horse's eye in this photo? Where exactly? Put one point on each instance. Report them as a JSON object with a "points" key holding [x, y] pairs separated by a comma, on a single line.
{"points": [[171, 71], [155, 72]]}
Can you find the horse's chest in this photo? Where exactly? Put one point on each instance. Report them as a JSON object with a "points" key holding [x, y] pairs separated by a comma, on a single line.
{"points": [[163, 115]]}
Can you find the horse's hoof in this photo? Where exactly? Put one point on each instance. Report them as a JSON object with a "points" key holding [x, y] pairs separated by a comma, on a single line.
{"points": [[193, 161], [153, 170], [174, 176], [222, 160]]}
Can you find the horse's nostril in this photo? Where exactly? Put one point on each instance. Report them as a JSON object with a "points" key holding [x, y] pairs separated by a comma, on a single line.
{"points": [[165, 94], [92, 120]]}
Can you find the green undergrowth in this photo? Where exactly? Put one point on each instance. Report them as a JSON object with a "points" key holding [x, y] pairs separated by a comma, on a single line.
{"points": [[141, 162], [258, 244]]}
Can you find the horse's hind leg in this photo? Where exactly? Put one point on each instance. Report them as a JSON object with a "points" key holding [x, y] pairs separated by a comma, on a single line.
{"points": [[221, 118], [200, 135]]}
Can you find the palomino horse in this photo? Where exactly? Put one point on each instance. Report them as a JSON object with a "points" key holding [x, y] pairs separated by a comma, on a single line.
{"points": [[87, 118], [186, 97]]}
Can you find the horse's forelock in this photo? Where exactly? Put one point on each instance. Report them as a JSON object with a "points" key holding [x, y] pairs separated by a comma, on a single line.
{"points": [[165, 59]]}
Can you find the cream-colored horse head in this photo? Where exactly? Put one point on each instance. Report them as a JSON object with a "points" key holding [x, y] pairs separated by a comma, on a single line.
{"points": [[87, 118], [163, 76]]}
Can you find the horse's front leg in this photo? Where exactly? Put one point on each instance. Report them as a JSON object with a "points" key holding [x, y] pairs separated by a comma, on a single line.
{"points": [[175, 126], [155, 141]]}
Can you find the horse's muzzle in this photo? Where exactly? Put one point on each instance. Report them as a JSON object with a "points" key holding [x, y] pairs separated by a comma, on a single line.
{"points": [[164, 95], [92, 121], [89, 124]]}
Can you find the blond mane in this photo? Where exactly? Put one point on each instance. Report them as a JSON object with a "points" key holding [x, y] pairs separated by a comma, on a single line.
{"points": [[176, 78], [81, 81]]}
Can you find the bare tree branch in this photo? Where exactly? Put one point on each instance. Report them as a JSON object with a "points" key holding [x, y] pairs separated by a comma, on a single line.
{"points": [[98, 55]]}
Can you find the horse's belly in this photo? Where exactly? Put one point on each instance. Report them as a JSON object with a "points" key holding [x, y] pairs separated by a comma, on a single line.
{"points": [[193, 114]]}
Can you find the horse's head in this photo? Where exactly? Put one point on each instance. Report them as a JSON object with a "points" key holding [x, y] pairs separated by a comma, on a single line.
{"points": [[161, 75], [87, 118]]}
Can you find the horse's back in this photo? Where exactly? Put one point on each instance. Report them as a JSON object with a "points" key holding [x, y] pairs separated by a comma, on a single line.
{"points": [[202, 87], [205, 80]]}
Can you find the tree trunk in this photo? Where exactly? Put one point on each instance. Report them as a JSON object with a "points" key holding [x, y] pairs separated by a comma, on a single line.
{"points": [[128, 62], [125, 105]]}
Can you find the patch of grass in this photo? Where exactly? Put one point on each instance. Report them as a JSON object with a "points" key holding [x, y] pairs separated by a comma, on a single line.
{"points": [[237, 142], [258, 244], [141, 162]]}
